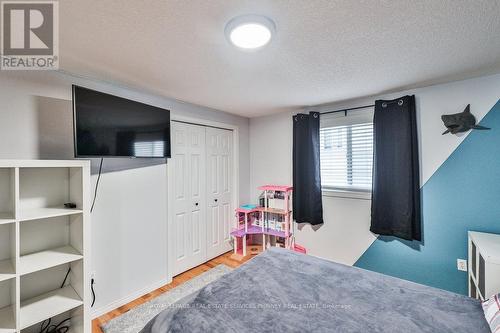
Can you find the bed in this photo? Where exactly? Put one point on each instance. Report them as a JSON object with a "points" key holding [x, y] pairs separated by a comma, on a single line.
{"points": [[284, 291]]}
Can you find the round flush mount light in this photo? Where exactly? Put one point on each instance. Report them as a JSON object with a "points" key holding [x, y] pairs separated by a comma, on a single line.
{"points": [[250, 32]]}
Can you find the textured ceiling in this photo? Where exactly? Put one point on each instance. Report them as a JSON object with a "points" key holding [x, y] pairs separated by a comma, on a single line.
{"points": [[324, 51]]}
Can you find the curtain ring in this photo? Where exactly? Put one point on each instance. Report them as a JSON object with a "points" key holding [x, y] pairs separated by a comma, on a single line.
{"points": [[400, 102], [315, 115], [384, 105], [296, 118]]}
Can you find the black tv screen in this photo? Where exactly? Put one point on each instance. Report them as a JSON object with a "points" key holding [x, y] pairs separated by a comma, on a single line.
{"points": [[111, 126]]}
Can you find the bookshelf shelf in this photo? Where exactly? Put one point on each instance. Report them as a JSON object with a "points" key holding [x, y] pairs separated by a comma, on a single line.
{"points": [[46, 259], [48, 305], [6, 218], [44, 213]]}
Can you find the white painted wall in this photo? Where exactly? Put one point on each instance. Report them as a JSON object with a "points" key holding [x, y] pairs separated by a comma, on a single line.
{"points": [[270, 151], [345, 235], [129, 231]]}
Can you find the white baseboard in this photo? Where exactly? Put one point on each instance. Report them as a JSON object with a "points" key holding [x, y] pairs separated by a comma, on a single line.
{"points": [[127, 299]]}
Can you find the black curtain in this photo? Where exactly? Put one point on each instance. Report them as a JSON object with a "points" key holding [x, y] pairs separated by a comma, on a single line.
{"points": [[396, 180], [307, 205]]}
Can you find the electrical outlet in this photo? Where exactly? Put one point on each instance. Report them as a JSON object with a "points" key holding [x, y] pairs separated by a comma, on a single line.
{"points": [[462, 265], [92, 276]]}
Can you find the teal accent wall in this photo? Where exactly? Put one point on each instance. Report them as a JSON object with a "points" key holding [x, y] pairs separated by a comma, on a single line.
{"points": [[463, 194]]}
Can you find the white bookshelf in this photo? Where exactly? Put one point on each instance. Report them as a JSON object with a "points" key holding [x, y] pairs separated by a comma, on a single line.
{"points": [[484, 265], [41, 241]]}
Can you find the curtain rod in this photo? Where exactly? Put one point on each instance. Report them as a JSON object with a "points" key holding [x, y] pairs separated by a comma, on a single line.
{"points": [[349, 109], [399, 101]]}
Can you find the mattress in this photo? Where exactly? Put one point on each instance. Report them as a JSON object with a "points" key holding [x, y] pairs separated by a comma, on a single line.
{"points": [[284, 291]]}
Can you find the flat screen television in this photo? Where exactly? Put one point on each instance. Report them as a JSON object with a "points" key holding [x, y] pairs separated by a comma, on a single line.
{"points": [[111, 126]]}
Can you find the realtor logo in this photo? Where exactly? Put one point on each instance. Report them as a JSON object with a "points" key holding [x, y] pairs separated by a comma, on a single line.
{"points": [[30, 35]]}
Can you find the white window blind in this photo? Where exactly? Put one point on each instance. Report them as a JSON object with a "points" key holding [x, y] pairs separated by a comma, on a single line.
{"points": [[149, 149], [346, 152]]}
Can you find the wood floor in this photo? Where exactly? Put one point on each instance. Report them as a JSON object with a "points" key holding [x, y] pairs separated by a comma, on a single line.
{"points": [[177, 280]]}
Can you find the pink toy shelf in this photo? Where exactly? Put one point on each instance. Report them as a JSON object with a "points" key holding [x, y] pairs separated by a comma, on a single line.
{"points": [[272, 220]]}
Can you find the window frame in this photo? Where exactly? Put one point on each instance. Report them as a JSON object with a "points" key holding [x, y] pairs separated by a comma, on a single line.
{"points": [[340, 119]]}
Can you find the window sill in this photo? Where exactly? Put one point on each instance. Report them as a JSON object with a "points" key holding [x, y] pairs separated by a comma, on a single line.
{"points": [[347, 194]]}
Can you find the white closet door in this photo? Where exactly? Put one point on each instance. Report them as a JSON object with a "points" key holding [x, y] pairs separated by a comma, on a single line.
{"points": [[188, 174], [219, 188]]}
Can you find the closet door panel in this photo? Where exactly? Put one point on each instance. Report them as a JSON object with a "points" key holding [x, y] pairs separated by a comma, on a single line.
{"points": [[226, 180], [196, 222], [213, 192], [179, 244], [197, 198], [189, 228], [180, 219], [226, 222], [226, 177], [213, 177], [213, 233], [219, 176]]}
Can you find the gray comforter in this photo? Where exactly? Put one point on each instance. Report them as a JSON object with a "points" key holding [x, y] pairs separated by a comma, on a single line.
{"points": [[283, 291]]}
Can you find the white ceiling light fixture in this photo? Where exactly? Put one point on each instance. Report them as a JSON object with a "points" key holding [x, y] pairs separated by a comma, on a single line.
{"points": [[250, 32]]}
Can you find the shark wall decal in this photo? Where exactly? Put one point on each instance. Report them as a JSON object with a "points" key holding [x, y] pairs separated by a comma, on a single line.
{"points": [[461, 122]]}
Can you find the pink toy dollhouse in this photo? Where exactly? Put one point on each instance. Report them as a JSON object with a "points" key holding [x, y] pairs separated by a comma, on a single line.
{"points": [[271, 220]]}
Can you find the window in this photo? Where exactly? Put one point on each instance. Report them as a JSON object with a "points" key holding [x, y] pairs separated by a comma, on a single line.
{"points": [[346, 152]]}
